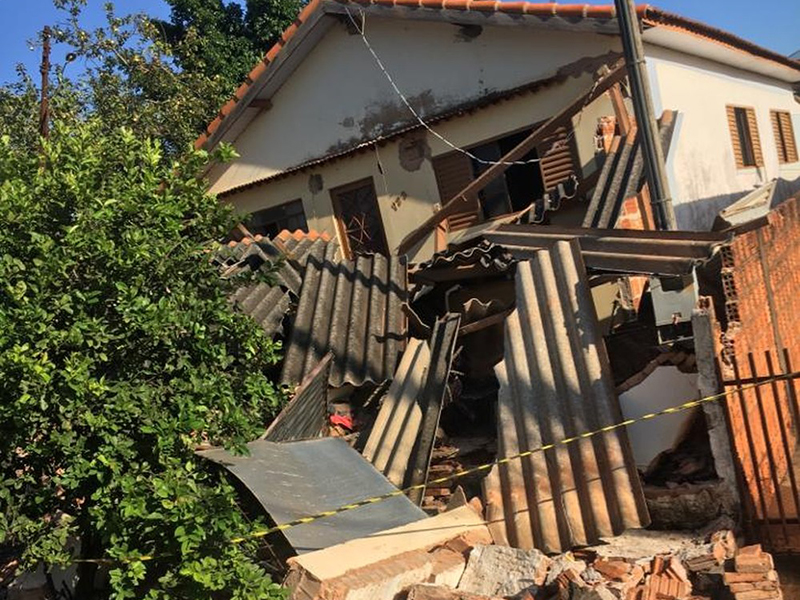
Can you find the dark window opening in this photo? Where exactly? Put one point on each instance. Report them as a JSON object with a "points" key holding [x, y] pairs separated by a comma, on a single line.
{"points": [[271, 221], [745, 139], [519, 186]]}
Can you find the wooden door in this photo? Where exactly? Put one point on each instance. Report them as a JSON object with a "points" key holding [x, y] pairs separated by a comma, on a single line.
{"points": [[358, 218]]}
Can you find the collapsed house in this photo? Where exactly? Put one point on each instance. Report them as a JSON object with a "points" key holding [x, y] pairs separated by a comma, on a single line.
{"points": [[458, 379], [475, 298]]}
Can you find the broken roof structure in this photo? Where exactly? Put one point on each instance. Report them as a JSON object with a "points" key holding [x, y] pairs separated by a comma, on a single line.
{"points": [[268, 302], [352, 309], [555, 384]]}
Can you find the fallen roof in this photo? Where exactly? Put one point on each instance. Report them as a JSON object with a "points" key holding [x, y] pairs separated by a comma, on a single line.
{"points": [[618, 250], [310, 27], [297, 479], [622, 174], [352, 309], [555, 383], [394, 434], [267, 303]]}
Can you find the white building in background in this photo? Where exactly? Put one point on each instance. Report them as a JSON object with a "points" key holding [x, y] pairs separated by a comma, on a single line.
{"points": [[326, 141]]}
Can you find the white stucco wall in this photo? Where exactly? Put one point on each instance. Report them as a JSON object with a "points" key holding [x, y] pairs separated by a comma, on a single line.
{"points": [[338, 95], [665, 387], [406, 197], [701, 165]]}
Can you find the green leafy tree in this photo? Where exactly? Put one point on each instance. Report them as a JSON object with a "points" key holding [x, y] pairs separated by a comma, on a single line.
{"points": [[225, 39], [119, 353]]}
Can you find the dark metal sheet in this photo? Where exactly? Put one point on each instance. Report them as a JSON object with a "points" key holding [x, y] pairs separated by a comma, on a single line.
{"points": [[296, 479], [306, 414]]}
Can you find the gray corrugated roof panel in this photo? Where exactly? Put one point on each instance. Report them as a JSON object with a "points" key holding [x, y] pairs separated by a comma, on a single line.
{"points": [[477, 258], [306, 415], [396, 427], [622, 175], [620, 250], [268, 303], [555, 383], [292, 480], [396, 443], [353, 309]]}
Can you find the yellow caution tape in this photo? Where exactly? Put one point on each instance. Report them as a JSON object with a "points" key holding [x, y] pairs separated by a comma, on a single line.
{"points": [[484, 467]]}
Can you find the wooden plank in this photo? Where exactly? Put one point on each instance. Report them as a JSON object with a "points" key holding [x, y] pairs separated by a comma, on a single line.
{"points": [[470, 192], [620, 110]]}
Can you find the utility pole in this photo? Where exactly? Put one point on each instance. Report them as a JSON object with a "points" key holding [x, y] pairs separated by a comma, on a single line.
{"points": [[44, 110], [653, 153]]}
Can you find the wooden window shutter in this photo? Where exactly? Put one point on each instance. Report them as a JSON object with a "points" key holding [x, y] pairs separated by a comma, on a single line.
{"points": [[453, 173], [784, 136], [751, 122], [737, 147], [557, 154]]}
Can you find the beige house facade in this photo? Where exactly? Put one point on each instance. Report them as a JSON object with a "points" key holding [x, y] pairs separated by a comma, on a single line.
{"points": [[327, 141]]}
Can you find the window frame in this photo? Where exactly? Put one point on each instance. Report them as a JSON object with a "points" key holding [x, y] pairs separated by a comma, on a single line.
{"points": [[785, 141], [746, 142]]}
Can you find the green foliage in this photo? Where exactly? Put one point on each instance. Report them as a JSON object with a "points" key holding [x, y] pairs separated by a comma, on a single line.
{"points": [[161, 79], [225, 39], [119, 353]]}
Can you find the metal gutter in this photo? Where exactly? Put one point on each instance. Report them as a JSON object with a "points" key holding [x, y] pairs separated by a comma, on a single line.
{"points": [[555, 382]]}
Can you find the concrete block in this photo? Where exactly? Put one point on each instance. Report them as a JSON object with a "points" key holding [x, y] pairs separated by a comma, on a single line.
{"points": [[380, 566], [503, 571]]}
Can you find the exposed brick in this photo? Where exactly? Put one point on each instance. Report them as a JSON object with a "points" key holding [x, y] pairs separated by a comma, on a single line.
{"points": [[731, 578]]}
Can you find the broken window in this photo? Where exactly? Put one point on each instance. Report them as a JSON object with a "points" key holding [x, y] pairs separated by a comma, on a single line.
{"points": [[784, 136], [517, 188], [744, 136], [271, 221]]}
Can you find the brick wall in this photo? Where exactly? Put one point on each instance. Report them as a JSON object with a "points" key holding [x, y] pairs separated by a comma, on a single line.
{"points": [[761, 281]]}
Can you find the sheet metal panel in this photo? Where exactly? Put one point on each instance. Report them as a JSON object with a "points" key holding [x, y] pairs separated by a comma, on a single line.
{"points": [[351, 308], [555, 382], [306, 415], [296, 479]]}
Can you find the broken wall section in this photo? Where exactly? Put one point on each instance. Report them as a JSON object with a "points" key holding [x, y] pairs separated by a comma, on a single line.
{"points": [[761, 279]]}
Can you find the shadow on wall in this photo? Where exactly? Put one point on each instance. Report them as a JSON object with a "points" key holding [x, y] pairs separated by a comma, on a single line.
{"points": [[699, 215]]}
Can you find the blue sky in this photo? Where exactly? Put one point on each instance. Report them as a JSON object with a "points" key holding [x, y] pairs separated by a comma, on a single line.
{"points": [[774, 24]]}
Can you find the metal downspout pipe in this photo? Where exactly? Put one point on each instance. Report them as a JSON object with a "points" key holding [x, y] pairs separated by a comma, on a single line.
{"points": [[633, 50]]}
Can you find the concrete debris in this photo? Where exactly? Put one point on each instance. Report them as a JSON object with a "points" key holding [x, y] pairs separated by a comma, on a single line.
{"points": [[503, 571], [426, 591], [382, 565]]}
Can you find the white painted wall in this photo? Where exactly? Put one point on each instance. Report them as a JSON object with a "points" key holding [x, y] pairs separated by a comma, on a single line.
{"points": [[338, 95], [665, 387], [702, 169], [405, 197]]}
